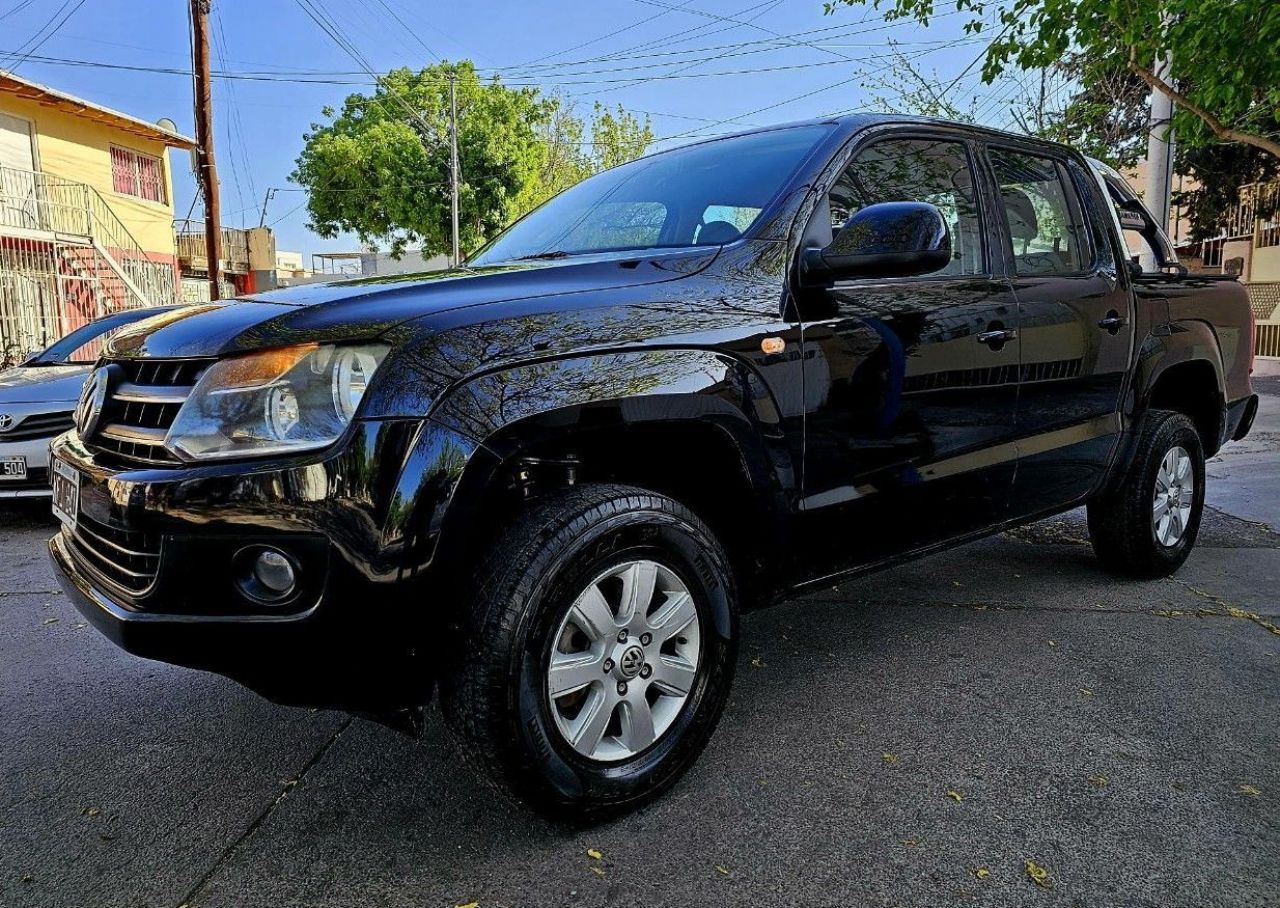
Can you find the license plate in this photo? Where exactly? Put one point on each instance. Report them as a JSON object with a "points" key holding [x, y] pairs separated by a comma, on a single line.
{"points": [[66, 492], [13, 468]]}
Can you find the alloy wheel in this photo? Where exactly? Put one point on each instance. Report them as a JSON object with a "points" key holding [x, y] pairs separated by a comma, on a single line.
{"points": [[623, 661], [1174, 496]]}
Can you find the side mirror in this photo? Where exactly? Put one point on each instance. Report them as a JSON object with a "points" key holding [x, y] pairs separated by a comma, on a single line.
{"points": [[891, 239]]}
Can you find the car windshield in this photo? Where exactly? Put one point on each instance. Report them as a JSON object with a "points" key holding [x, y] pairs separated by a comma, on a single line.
{"points": [[83, 346], [702, 195]]}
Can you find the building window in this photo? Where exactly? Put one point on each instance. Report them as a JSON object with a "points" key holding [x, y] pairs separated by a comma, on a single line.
{"points": [[137, 174]]}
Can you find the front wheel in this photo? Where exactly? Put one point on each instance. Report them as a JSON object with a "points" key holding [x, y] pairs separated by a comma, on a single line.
{"points": [[595, 651], [1147, 525]]}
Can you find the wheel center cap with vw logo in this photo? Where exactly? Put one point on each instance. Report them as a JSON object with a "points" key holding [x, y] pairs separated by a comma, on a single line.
{"points": [[631, 662], [93, 398]]}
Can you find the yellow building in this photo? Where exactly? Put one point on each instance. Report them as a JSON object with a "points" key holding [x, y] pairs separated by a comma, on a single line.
{"points": [[86, 213]]}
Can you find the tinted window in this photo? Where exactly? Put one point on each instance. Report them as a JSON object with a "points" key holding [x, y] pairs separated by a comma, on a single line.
{"points": [[917, 170], [1042, 214], [706, 194]]}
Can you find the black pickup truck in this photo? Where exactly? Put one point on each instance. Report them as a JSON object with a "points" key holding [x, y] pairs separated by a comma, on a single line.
{"points": [[543, 486]]}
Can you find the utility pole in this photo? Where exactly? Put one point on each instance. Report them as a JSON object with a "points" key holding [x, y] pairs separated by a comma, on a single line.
{"points": [[453, 160], [207, 172], [266, 200], [1160, 151]]}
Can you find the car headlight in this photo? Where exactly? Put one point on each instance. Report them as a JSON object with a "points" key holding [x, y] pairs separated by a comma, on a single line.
{"points": [[274, 401]]}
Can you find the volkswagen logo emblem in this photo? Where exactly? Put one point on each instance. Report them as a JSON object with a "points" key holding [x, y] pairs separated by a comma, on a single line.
{"points": [[93, 398], [6, 422], [631, 662]]}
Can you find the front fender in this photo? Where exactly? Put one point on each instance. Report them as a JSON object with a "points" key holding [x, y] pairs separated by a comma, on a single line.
{"points": [[484, 423]]}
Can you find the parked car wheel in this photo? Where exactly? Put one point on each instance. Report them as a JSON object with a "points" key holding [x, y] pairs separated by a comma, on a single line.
{"points": [[596, 650], [1147, 524]]}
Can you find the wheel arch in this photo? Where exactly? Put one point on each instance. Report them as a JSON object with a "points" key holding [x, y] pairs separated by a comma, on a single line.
{"points": [[685, 423], [1188, 378]]}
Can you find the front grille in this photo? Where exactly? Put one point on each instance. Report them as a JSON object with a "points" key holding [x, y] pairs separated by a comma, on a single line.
{"points": [[141, 408], [42, 425], [126, 559]]}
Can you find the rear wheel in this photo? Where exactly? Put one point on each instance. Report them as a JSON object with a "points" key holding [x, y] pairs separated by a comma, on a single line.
{"points": [[596, 650], [1147, 525]]}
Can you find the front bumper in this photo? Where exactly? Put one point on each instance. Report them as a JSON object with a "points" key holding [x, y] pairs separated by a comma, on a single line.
{"points": [[352, 636], [257, 651]]}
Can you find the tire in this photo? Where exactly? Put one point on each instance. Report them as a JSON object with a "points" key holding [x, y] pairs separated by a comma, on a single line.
{"points": [[497, 695], [1127, 536]]}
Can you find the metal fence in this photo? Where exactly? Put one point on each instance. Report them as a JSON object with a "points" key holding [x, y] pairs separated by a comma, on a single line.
{"points": [[42, 203], [43, 295], [65, 259]]}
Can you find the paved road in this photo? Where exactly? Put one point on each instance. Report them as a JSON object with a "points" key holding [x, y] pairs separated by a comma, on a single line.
{"points": [[913, 738]]}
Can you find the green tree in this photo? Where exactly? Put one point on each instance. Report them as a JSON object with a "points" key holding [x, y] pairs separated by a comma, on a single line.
{"points": [[1225, 71], [1108, 115], [380, 167], [617, 136], [1220, 170]]}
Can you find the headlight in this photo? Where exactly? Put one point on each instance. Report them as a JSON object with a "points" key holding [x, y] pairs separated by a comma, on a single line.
{"points": [[274, 402]]}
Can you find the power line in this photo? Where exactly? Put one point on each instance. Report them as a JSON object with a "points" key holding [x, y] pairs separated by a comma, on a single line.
{"points": [[413, 34], [443, 78], [800, 97], [604, 37], [24, 52], [17, 9]]}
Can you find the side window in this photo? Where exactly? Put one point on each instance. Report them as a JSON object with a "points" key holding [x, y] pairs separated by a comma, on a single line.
{"points": [[723, 223], [1042, 214], [917, 170]]}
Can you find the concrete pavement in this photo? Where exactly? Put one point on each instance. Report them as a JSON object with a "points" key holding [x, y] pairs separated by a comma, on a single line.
{"points": [[912, 738]]}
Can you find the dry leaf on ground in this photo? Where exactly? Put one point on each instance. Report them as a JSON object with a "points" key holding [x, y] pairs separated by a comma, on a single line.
{"points": [[1038, 875]]}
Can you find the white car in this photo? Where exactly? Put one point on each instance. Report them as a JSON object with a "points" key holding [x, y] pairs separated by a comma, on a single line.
{"points": [[38, 398]]}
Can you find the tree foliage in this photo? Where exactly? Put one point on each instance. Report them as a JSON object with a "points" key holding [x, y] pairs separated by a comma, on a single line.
{"points": [[1219, 171], [1225, 54], [379, 168], [616, 136], [1108, 117]]}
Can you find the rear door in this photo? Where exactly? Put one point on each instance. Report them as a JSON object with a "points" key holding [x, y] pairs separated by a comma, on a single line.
{"points": [[1076, 324], [910, 383]]}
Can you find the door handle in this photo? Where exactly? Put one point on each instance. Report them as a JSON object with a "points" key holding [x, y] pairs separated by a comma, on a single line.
{"points": [[1113, 322], [997, 336]]}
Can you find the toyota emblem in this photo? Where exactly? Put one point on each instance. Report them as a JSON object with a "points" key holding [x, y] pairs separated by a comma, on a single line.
{"points": [[6, 422]]}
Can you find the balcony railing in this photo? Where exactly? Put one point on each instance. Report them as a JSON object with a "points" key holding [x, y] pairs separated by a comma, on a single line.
{"points": [[1256, 214], [193, 253], [46, 204]]}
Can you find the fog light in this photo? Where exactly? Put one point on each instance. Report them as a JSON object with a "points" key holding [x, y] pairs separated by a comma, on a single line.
{"points": [[275, 573]]}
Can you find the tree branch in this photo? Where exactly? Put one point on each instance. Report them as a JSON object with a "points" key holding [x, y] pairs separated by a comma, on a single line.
{"points": [[1220, 129]]}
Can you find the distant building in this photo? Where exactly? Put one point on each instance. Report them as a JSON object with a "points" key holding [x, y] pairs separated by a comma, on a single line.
{"points": [[86, 213], [368, 263], [248, 260], [291, 270]]}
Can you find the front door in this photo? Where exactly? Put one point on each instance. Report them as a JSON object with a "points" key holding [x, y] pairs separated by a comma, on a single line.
{"points": [[18, 203], [1076, 326], [910, 383]]}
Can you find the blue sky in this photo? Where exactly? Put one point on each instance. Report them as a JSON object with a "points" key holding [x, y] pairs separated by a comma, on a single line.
{"points": [[698, 67]]}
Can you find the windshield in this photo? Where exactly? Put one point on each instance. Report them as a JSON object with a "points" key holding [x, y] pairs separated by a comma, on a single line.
{"points": [[83, 346], [703, 195]]}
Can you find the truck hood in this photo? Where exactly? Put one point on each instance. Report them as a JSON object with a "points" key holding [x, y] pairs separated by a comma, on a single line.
{"points": [[42, 384], [369, 307]]}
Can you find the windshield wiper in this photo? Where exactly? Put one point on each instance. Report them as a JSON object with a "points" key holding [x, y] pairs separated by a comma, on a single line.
{"points": [[552, 254]]}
